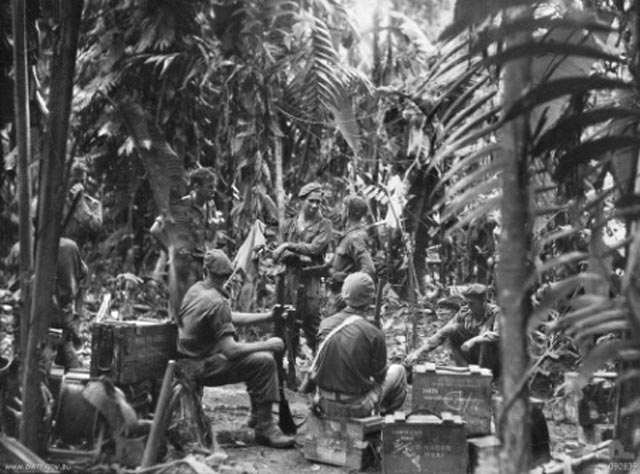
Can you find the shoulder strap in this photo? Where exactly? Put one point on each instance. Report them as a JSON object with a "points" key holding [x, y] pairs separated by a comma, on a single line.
{"points": [[323, 345]]}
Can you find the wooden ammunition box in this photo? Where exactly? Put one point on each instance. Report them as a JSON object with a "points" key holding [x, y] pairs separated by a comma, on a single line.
{"points": [[348, 442], [464, 391], [424, 444], [132, 351]]}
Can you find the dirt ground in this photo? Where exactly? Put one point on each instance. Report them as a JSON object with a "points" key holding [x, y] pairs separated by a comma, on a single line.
{"points": [[228, 408]]}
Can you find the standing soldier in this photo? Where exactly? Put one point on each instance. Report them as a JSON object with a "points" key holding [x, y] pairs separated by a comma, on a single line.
{"points": [[352, 254], [194, 230], [306, 238], [82, 219], [67, 305]]}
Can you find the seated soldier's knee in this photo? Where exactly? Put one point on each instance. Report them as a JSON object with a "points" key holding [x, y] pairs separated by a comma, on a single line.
{"points": [[263, 359], [397, 373]]}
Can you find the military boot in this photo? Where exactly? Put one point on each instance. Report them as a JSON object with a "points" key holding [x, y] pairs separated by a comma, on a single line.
{"points": [[253, 417], [267, 431]]}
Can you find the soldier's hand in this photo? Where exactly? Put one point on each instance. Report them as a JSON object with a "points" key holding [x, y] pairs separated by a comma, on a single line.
{"points": [[277, 253], [282, 311], [412, 357], [274, 344], [76, 189]]}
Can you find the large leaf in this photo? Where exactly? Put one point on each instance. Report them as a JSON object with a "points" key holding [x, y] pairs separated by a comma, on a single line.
{"points": [[470, 196], [624, 162], [597, 149], [458, 141], [482, 208], [468, 13], [562, 87], [471, 180], [469, 160], [567, 258], [488, 36], [599, 356], [164, 169], [557, 51], [468, 112], [556, 293], [554, 137]]}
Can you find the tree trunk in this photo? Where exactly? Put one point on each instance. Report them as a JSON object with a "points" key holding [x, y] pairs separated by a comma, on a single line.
{"points": [[515, 263], [22, 127], [50, 201], [628, 427]]}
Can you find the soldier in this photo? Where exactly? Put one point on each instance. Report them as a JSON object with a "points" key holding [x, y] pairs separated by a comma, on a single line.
{"points": [[212, 355], [68, 295], [306, 238], [472, 333], [199, 234], [82, 213], [352, 254], [351, 372]]}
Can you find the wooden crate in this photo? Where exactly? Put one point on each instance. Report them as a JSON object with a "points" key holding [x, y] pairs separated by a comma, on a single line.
{"points": [[424, 444], [464, 391], [484, 455], [348, 442], [132, 351]]}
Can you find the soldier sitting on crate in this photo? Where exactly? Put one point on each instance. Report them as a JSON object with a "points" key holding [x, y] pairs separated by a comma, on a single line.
{"points": [[472, 333], [350, 370], [68, 295], [211, 355], [352, 253]]}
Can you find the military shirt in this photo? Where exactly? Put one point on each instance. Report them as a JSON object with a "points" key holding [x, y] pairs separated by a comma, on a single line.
{"points": [[201, 222], [470, 326], [352, 253], [205, 317], [311, 241], [354, 359]]}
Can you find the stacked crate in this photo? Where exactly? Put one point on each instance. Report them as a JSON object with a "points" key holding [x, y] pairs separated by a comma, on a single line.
{"points": [[449, 404]]}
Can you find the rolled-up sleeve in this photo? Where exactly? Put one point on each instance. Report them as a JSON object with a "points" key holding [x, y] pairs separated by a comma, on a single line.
{"points": [[221, 322], [379, 359], [318, 243], [362, 257]]}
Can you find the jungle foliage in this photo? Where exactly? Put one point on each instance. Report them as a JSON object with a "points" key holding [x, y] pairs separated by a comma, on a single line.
{"points": [[258, 89]]}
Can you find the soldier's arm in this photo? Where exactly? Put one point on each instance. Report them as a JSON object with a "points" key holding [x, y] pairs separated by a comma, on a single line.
{"points": [[434, 341], [362, 257], [318, 244]]}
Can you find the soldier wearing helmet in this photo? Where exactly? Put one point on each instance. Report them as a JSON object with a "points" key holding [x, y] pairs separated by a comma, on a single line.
{"points": [[351, 372]]}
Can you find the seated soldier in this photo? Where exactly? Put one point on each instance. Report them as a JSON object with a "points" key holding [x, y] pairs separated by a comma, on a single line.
{"points": [[212, 356], [350, 371], [472, 333], [68, 295]]}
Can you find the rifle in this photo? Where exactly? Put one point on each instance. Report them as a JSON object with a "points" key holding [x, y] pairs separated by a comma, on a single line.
{"points": [[286, 422], [378, 307], [323, 270]]}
